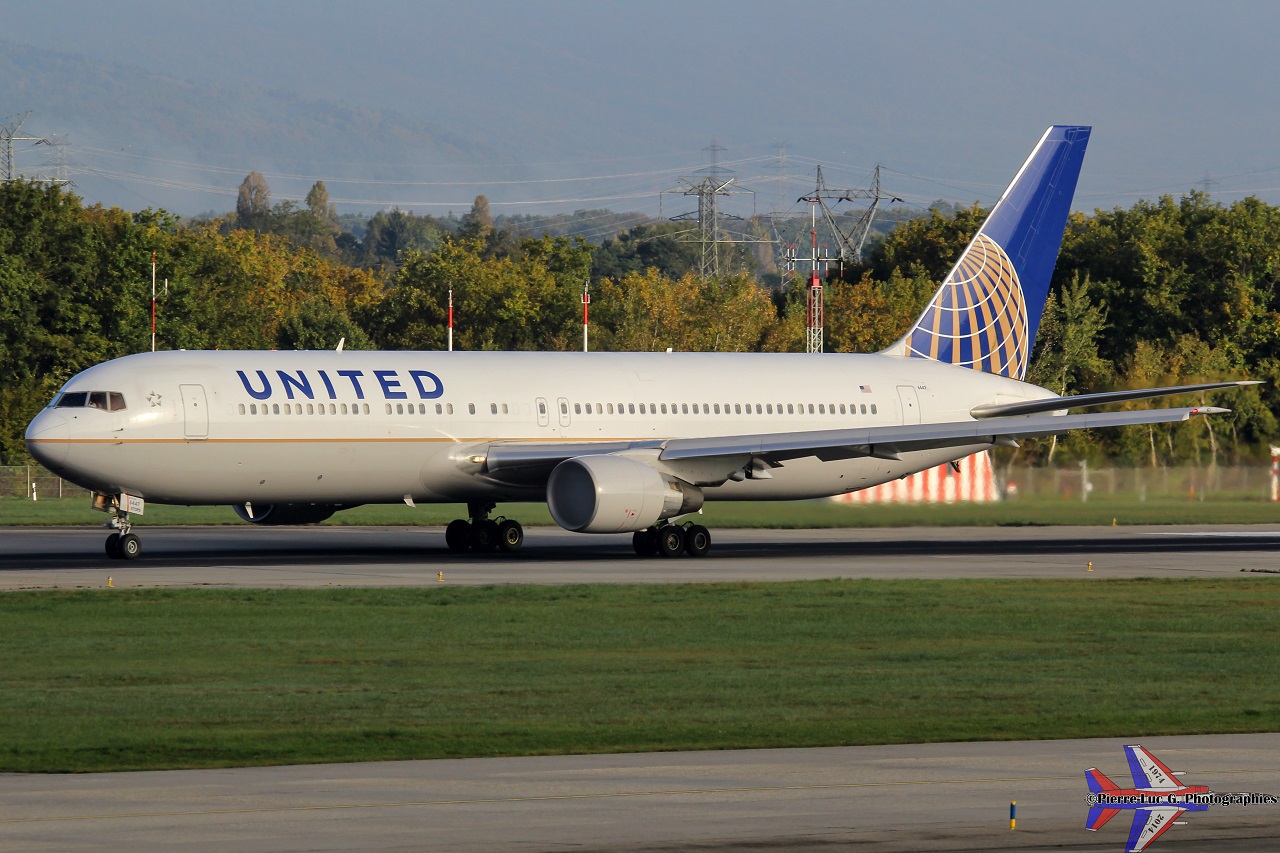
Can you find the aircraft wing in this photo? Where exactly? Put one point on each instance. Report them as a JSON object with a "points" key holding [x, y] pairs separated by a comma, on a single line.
{"points": [[1054, 404], [529, 461], [1148, 771], [889, 442], [1150, 824]]}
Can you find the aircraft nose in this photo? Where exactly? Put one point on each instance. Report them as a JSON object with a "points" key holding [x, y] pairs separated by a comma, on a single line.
{"points": [[47, 438]]}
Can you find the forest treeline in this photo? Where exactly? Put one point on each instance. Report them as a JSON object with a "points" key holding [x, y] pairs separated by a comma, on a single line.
{"points": [[1164, 292]]}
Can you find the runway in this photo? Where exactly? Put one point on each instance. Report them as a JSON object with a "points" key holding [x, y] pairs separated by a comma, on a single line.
{"points": [[245, 556], [881, 798], [885, 798]]}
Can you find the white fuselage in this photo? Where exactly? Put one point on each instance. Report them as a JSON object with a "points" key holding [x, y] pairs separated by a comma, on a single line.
{"points": [[379, 427]]}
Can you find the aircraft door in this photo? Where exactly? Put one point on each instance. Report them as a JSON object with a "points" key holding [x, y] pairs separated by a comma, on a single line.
{"points": [[195, 411], [543, 415], [910, 404], [563, 405]]}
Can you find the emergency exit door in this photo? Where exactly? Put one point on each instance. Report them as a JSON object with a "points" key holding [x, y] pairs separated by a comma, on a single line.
{"points": [[195, 410]]}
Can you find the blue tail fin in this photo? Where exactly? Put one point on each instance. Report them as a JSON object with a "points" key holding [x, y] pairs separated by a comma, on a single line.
{"points": [[986, 313]]}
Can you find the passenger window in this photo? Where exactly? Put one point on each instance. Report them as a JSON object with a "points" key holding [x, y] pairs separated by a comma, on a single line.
{"points": [[577, 408], [822, 409], [504, 409], [253, 408], [842, 408], [873, 408], [737, 408], [717, 408], [759, 411], [564, 408], [611, 408], [493, 408], [439, 409], [664, 408], [684, 408], [286, 409], [791, 410], [344, 408], [768, 408], [542, 408], [399, 408], [631, 408], [448, 408], [98, 400], [365, 406], [864, 408], [117, 401], [388, 409]]}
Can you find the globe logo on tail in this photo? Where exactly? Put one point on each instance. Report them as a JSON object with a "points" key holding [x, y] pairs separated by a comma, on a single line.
{"points": [[978, 318]]}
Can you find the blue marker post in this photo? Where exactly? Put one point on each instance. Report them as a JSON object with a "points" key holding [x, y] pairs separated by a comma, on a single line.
{"points": [[1013, 815]]}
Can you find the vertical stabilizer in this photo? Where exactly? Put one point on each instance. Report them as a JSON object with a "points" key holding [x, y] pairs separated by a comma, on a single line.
{"points": [[986, 313]]}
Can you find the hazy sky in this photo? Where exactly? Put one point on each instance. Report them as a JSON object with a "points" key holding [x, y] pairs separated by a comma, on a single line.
{"points": [[950, 96]]}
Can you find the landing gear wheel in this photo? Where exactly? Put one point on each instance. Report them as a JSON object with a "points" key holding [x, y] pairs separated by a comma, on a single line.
{"points": [[671, 541], [130, 546], [510, 535], [113, 547], [645, 542], [697, 540], [458, 535], [484, 535]]}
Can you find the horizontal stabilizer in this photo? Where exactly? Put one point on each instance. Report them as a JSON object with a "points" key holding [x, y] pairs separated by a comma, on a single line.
{"points": [[1054, 404]]}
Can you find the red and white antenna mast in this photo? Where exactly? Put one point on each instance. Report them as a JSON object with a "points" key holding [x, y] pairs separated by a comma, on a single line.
{"points": [[153, 300], [586, 303], [451, 319]]}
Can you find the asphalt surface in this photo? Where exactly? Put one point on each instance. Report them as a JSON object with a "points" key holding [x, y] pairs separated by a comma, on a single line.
{"points": [[32, 558], [910, 797], [882, 798]]}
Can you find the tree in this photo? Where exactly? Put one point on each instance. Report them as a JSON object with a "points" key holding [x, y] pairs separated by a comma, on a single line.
{"points": [[477, 224], [320, 206], [253, 202]]}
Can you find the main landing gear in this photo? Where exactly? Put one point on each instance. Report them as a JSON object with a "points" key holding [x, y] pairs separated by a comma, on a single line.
{"points": [[672, 540], [483, 534], [122, 545]]}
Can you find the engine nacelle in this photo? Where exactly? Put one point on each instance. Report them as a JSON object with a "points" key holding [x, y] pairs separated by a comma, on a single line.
{"points": [[615, 494], [271, 515]]}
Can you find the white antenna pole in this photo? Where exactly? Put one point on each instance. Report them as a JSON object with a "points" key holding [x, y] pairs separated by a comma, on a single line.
{"points": [[153, 300], [586, 302], [450, 319]]}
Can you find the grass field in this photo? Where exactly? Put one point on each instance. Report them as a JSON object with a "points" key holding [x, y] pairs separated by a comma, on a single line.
{"points": [[110, 680], [1125, 509]]}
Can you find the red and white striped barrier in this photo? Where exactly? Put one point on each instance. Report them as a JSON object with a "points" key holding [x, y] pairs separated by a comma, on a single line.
{"points": [[974, 482]]}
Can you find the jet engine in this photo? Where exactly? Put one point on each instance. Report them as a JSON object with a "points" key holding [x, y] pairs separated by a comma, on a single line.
{"points": [[615, 494], [276, 514]]}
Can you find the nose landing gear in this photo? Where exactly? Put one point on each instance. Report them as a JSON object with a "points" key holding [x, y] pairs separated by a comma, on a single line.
{"points": [[122, 545]]}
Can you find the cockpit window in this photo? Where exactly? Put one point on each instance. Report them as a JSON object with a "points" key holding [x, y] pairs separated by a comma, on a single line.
{"points": [[108, 401], [72, 400]]}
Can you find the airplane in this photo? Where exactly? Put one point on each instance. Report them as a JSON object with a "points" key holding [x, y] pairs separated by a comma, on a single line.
{"points": [[613, 442], [1159, 798]]}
